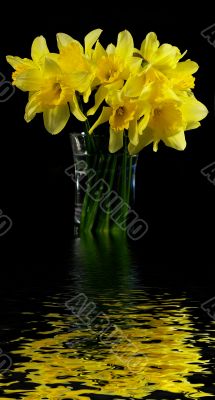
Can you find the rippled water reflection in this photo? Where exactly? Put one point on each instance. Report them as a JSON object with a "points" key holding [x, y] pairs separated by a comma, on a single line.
{"points": [[117, 339]]}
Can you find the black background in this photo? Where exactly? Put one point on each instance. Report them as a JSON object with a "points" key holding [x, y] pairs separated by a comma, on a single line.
{"points": [[172, 195]]}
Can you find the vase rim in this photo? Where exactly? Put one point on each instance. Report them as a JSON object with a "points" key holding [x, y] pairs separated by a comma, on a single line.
{"points": [[83, 150]]}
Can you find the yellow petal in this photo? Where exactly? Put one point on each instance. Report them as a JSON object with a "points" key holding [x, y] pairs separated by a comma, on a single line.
{"points": [[99, 52], [86, 95], [90, 40], [192, 125], [51, 67], [134, 86], [75, 109], [39, 49], [149, 45], [64, 40], [20, 63], [166, 56], [143, 122], [110, 49], [155, 145], [177, 142], [187, 67], [99, 97], [125, 45], [193, 111], [133, 133], [104, 117], [79, 81], [56, 118], [145, 139], [116, 141], [29, 80], [33, 107]]}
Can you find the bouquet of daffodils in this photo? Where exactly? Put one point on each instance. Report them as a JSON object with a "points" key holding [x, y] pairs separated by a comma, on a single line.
{"points": [[144, 94]]}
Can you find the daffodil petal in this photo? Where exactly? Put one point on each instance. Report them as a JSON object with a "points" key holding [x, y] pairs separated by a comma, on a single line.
{"points": [[166, 56], [149, 45], [17, 62], [75, 109], [155, 145], [133, 133], [90, 40], [187, 67], [51, 67], [33, 107], [39, 49], [29, 80], [143, 122], [56, 118], [177, 142], [98, 52], [144, 140], [115, 141], [64, 40], [99, 97], [104, 117], [193, 111], [134, 86], [80, 81], [192, 125], [125, 45], [110, 49], [86, 95]]}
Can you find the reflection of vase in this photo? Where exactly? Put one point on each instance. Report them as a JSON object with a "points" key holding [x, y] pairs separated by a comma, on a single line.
{"points": [[104, 186]]}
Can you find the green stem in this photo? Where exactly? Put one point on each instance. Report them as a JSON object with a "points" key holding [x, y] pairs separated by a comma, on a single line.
{"points": [[130, 166], [104, 220], [92, 211]]}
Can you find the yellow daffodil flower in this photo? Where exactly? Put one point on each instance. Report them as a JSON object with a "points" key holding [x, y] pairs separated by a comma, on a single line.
{"points": [[181, 77], [148, 92], [76, 59], [167, 117], [162, 58], [113, 66], [55, 97], [25, 67], [51, 90], [122, 114]]}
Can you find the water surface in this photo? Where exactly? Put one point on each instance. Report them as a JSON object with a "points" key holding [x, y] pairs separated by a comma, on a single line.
{"points": [[95, 329]]}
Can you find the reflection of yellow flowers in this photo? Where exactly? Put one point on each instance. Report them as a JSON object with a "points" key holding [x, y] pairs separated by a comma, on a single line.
{"points": [[145, 94], [154, 350]]}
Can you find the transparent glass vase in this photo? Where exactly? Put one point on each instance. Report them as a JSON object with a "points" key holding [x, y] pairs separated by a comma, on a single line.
{"points": [[104, 186]]}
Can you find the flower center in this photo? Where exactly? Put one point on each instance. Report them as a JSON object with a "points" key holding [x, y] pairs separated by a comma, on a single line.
{"points": [[157, 112], [120, 111], [57, 89], [109, 69]]}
